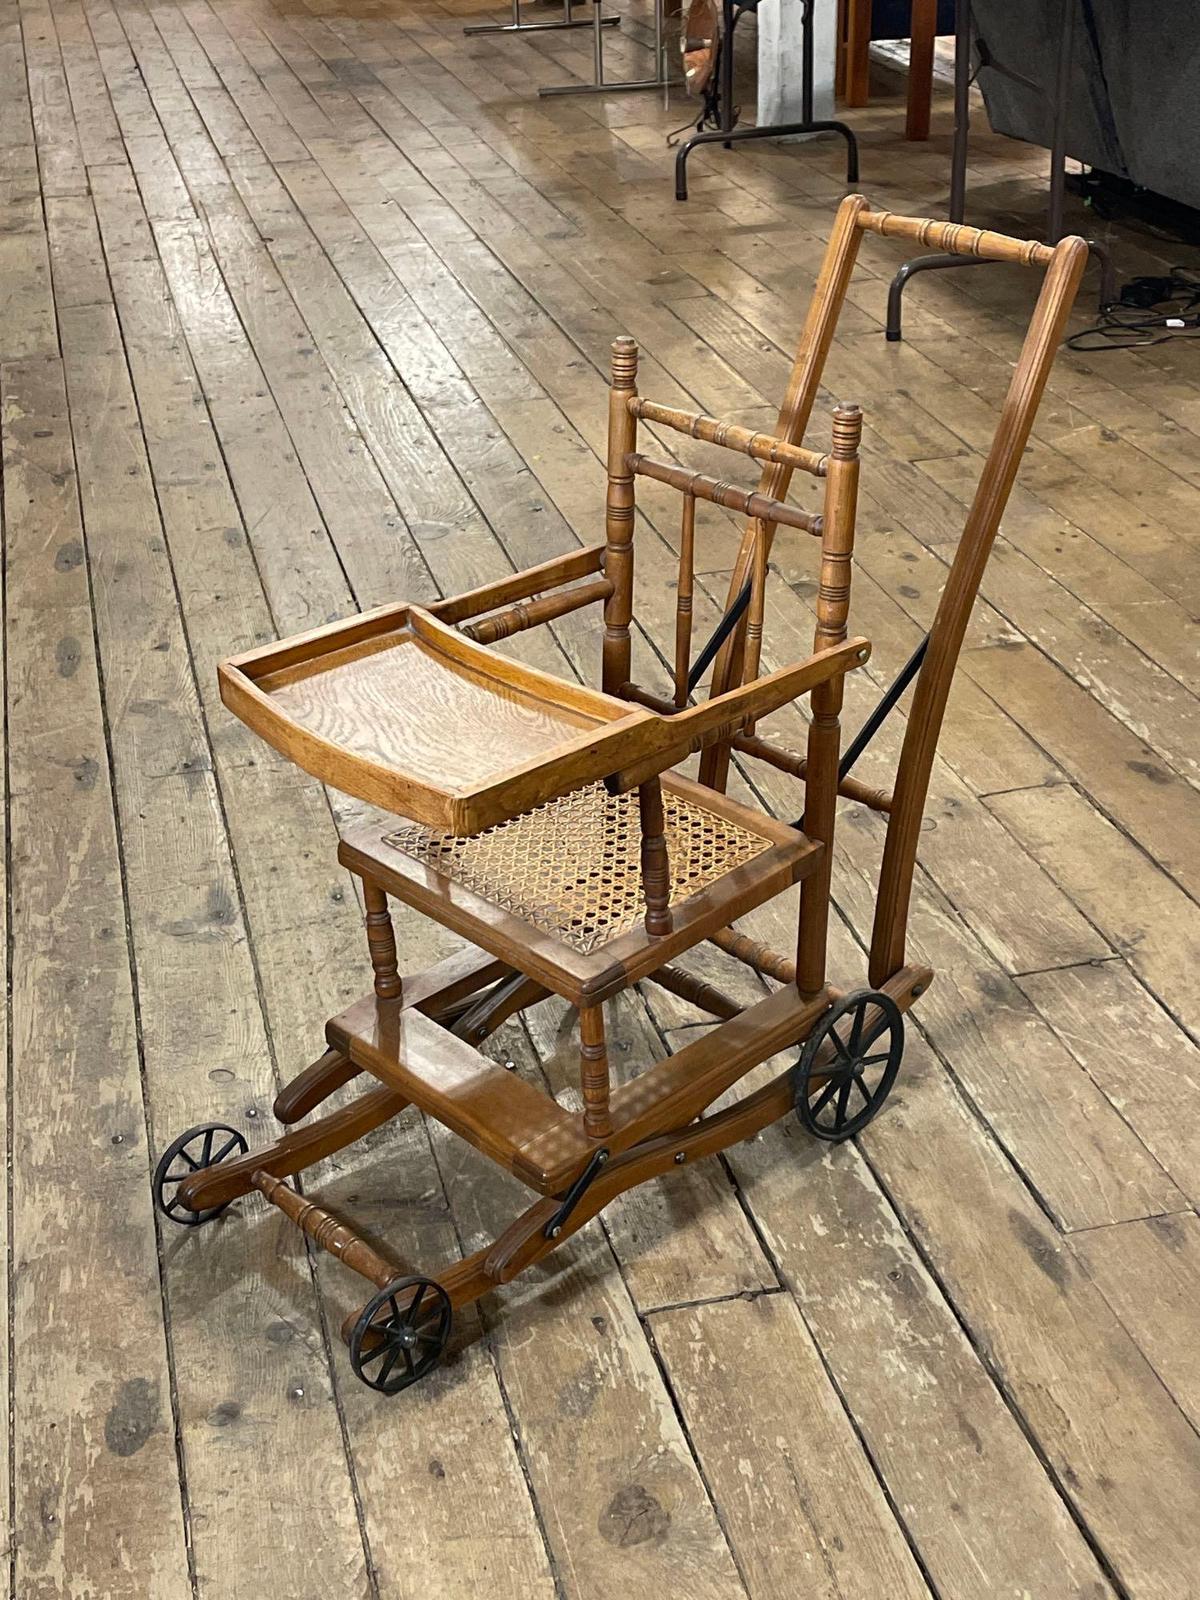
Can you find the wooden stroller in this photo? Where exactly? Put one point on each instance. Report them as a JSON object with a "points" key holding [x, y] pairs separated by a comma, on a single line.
{"points": [[543, 822]]}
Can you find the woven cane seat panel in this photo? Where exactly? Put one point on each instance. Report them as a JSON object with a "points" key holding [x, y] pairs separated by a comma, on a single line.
{"points": [[572, 867]]}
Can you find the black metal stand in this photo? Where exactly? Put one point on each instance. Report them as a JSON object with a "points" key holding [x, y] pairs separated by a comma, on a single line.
{"points": [[519, 25], [728, 134], [963, 78]]}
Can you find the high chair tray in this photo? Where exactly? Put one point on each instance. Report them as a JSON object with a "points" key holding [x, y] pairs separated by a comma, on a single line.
{"points": [[402, 711]]}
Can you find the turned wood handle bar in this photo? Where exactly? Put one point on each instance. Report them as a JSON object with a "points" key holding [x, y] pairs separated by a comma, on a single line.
{"points": [[724, 494], [957, 238], [714, 430]]}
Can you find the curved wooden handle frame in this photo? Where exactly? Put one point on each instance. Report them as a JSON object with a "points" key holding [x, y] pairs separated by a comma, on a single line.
{"points": [[1063, 264]]}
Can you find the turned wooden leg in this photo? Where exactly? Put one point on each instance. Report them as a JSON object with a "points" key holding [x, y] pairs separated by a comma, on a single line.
{"points": [[593, 1072], [656, 867], [381, 942]]}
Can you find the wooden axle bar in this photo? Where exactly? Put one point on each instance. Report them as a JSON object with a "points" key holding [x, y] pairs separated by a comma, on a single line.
{"points": [[714, 430], [324, 1229], [696, 991], [752, 953], [791, 762], [533, 613], [957, 239], [759, 506]]}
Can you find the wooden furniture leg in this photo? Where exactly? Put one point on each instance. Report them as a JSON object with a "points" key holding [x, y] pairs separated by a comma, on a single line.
{"points": [[381, 941], [922, 34], [593, 1072], [856, 57], [656, 868], [824, 733], [618, 517]]}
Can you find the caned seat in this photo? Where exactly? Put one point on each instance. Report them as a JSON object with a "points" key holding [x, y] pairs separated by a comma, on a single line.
{"points": [[572, 867], [567, 878]]}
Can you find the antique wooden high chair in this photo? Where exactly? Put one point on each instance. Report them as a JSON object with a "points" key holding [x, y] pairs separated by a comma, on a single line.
{"points": [[543, 822]]}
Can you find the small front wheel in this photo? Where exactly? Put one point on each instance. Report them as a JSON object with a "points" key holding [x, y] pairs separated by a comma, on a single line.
{"points": [[193, 1151], [400, 1334], [848, 1065]]}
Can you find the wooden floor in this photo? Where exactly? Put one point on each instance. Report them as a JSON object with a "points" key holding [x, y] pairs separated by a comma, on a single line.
{"points": [[305, 305]]}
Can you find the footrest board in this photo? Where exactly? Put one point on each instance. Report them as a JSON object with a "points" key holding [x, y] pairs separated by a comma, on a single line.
{"points": [[493, 1109]]}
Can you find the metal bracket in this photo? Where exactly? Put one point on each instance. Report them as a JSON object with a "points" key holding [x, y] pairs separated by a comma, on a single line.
{"points": [[880, 714], [719, 635], [575, 1193]]}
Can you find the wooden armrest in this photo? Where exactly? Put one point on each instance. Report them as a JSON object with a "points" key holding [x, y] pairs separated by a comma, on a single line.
{"points": [[725, 715]]}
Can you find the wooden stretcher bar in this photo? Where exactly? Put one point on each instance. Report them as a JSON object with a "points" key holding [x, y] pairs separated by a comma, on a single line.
{"points": [[715, 430], [725, 494]]}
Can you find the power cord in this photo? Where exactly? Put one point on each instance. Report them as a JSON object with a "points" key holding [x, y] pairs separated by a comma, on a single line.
{"points": [[1147, 311]]}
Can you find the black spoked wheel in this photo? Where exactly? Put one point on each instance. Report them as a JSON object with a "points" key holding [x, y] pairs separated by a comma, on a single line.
{"points": [[848, 1065], [193, 1151], [400, 1334]]}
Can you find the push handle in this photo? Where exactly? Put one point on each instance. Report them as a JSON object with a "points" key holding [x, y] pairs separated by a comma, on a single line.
{"points": [[957, 239]]}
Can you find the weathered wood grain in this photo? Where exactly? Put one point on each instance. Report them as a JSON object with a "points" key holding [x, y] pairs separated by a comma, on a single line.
{"points": [[98, 1498], [1149, 1272], [1152, 922], [803, 1508], [1116, 1441]]}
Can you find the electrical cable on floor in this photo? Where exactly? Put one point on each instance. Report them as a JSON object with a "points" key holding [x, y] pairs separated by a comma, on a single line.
{"points": [[1147, 311]]}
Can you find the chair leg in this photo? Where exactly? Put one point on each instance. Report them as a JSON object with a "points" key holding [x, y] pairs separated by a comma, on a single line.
{"points": [[381, 942], [593, 1072]]}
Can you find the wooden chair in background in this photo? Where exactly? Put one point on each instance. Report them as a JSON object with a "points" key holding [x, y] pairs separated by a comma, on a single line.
{"points": [[543, 823]]}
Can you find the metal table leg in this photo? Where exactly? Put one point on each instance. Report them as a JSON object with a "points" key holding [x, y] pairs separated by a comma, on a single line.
{"points": [[728, 135], [569, 20], [600, 84], [963, 33]]}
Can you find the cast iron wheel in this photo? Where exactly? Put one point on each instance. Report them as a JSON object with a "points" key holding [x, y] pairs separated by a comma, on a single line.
{"points": [[193, 1151], [837, 1097], [393, 1350]]}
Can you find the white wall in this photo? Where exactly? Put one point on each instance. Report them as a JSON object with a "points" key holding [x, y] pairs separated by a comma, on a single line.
{"points": [[779, 33]]}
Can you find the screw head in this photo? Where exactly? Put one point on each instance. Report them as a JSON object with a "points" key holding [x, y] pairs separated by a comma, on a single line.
{"points": [[680, 1157]]}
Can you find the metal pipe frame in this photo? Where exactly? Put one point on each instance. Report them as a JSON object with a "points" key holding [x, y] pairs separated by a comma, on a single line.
{"points": [[599, 84], [569, 20], [728, 134]]}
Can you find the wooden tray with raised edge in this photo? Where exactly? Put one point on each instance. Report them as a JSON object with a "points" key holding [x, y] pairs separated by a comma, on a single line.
{"points": [[401, 711]]}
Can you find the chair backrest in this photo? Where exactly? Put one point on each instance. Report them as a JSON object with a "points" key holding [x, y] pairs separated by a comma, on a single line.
{"points": [[833, 528]]}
